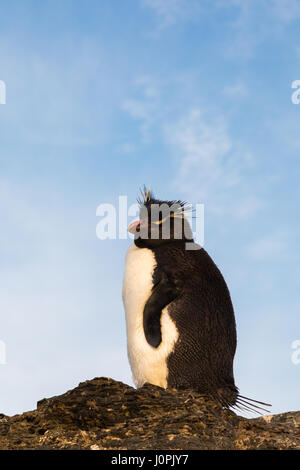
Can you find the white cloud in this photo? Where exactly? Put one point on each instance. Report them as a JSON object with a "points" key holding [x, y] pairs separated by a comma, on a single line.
{"points": [[211, 168], [146, 108], [254, 20], [170, 12], [281, 10]]}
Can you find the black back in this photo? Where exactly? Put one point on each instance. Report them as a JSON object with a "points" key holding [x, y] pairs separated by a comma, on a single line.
{"points": [[202, 310]]}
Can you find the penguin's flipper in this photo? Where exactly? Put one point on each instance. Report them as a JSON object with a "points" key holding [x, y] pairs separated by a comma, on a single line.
{"points": [[163, 293]]}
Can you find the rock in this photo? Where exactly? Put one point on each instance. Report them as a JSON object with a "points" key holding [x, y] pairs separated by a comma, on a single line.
{"points": [[105, 414]]}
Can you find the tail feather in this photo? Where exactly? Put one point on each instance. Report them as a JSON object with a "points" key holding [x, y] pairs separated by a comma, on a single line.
{"points": [[248, 403], [255, 401], [229, 397]]}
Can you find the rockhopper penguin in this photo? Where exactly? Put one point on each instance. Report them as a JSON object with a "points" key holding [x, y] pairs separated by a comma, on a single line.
{"points": [[180, 322]]}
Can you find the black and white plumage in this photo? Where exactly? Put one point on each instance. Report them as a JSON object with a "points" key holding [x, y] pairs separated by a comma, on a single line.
{"points": [[181, 330]]}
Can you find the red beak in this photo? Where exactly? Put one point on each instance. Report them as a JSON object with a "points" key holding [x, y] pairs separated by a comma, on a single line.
{"points": [[133, 227]]}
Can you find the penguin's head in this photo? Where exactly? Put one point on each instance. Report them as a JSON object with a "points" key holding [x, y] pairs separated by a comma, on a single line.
{"points": [[160, 222]]}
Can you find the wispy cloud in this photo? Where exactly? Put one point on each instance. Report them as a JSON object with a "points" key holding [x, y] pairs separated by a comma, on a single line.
{"points": [[145, 107], [211, 167], [284, 11], [251, 21], [169, 12], [257, 21]]}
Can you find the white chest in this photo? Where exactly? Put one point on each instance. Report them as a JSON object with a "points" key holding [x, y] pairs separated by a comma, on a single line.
{"points": [[148, 364]]}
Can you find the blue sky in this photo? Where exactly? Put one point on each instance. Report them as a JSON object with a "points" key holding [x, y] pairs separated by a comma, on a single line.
{"points": [[190, 97]]}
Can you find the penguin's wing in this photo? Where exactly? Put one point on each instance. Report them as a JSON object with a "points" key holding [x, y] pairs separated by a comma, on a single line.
{"points": [[163, 293]]}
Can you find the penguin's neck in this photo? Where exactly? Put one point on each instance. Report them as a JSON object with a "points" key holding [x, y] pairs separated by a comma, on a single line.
{"points": [[151, 244]]}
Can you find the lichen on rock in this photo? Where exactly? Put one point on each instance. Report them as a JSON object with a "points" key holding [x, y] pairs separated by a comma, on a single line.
{"points": [[105, 414]]}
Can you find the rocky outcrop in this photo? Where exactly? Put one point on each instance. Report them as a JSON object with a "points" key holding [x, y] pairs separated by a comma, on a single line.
{"points": [[105, 414]]}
